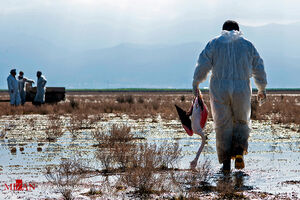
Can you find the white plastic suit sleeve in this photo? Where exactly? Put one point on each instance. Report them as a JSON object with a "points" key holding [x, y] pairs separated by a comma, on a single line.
{"points": [[44, 82], [29, 80], [258, 71], [203, 67]]}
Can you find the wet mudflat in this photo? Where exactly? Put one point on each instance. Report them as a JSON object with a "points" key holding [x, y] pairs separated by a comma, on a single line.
{"points": [[272, 164]]}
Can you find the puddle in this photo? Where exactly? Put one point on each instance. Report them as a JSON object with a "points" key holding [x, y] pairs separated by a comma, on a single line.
{"points": [[272, 164]]}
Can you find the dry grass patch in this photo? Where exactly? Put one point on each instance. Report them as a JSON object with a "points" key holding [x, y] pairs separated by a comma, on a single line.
{"points": [[279, 109], [142, 175], [65, 177], [143, 167], [54, 129], [115, 147], [117, 134], [193, 181]]}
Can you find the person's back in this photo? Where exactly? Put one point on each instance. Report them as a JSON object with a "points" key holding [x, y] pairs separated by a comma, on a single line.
{"points": [[232, 61], [232, 53], [231, 57], [41, 82]]}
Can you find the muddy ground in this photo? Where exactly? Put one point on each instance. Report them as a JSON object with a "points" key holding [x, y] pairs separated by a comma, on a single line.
{"points": [[272, 164]]}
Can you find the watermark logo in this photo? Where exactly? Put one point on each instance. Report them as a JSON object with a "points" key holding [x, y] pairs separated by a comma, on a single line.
{"points": [[20, 186]]}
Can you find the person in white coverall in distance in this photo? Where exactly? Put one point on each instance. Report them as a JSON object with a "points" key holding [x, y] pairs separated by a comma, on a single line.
{"points": [[40, 89], [232, 60], [22, 85], [13, 88]]}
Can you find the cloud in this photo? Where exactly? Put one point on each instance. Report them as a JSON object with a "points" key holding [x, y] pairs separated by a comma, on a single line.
{"points": [[158, 11], [108, 22]]}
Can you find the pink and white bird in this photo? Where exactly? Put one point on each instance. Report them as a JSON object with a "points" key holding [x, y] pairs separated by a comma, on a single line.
{"points": [[194, 122]]}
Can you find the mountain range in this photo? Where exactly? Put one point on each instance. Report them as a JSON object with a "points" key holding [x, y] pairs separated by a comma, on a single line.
{"points": [[163, 57]]}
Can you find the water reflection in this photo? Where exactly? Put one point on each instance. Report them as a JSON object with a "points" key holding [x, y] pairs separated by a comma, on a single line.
{"points": [[232, 182], [239, 178]]}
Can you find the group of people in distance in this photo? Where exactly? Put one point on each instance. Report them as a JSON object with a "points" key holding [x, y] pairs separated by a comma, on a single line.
{"points": [[17, 88]]}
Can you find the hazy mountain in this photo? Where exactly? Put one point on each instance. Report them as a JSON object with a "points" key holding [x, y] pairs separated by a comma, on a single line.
{"points": [[130, 65], [164, 57]]}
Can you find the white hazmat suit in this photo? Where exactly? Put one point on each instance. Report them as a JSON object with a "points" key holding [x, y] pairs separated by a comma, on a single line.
{"points": [[13, 89], [22, 83], [232, 61], [40, 90]]}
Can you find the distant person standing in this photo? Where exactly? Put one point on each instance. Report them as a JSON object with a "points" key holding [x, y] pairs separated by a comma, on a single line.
{"points": [[13, 88], [40, 89], [22, 82]]}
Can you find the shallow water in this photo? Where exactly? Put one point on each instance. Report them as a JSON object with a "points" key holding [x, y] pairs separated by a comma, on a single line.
{"points": [[273, 157]]}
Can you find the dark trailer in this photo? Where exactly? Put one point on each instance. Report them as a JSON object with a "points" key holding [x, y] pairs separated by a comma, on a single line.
{"points": [[52, 94]]}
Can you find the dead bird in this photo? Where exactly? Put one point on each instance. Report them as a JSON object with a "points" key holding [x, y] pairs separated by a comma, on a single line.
{"points": [[194, 121]]}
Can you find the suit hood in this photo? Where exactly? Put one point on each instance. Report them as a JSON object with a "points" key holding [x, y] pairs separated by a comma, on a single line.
{"points": [[230, 36]]}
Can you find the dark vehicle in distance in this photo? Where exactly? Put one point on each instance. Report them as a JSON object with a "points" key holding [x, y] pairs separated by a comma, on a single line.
{"points": [[52, 94]]}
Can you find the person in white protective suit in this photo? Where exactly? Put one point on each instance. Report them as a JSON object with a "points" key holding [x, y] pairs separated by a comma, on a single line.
{"points": [[13, 88], [232, 60], [22, 83], [40, 89]]}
